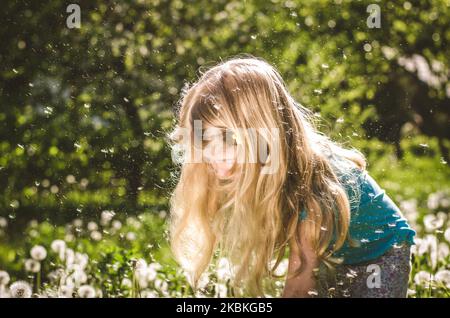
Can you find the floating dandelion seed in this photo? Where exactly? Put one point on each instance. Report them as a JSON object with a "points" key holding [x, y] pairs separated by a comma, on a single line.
{"points": [[38, 253], [20, 289], [86, 291]]}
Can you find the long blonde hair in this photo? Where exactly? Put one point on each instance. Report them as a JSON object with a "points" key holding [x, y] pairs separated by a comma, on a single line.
{"points": [[252, 217]]}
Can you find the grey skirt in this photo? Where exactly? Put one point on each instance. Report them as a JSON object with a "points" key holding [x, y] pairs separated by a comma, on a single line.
{"points": [[384, 277]]}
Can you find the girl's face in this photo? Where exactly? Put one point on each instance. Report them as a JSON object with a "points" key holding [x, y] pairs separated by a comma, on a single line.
{"points": [[220, 149]]}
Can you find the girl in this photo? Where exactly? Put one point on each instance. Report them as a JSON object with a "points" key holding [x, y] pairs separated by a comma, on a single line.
{"points": [[305, 197]]}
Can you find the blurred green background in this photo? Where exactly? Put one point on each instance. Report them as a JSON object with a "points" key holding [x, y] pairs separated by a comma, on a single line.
{"points": [[83, 111]]}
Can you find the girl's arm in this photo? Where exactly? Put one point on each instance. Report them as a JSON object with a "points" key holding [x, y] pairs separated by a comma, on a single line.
{"points": [[300, 285]]}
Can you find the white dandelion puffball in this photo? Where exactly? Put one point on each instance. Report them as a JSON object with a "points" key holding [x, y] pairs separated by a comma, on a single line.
{"points": [[126, 282], [79, 277], [4, 278], [131, 236], [32, 265], [106, 217], [38, 252], [443, 276], [86, 291], [423, 278], [20, 289], [58, 246], [96, 235], [151, 273], [82, 259], [432, 222], [447, 234], [116, 224], [92, 226], [3, 222]]}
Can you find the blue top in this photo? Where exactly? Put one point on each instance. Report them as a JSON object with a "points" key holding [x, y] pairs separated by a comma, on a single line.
{"points": [[376, 223]]}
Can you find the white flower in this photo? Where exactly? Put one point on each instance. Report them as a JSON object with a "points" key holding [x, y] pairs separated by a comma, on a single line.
{"points": [[141, 264], [155, 266], [433, 200], [423, 278], [92, 226], [151, 273], [69, 237], [224, 270], [69, 256], [77, 222], [81, 259], [203, 280], [221, 290], [32, 265], [20, 289], [79, 277], [443, 251], [148, 294], [443, 276], [117, 225], [437, 199], [131, 236], [106, 217], [38, 253], [3, 222], [126, 282], [161, 285], [447, 234], [96, 235], [432, 222], [4, 292], [433, 248], [58, 246], [409, 208], [86, 291], [65, 291], [4, 278], [53, 276]]}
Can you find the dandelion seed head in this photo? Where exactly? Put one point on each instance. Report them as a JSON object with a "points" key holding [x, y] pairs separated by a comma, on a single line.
{"points": [[38, 252], [32, 265], [20, 289], [86, 291]]}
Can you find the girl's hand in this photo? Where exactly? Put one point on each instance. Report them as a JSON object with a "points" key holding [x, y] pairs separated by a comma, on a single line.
{"points": [[302, 285]]}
